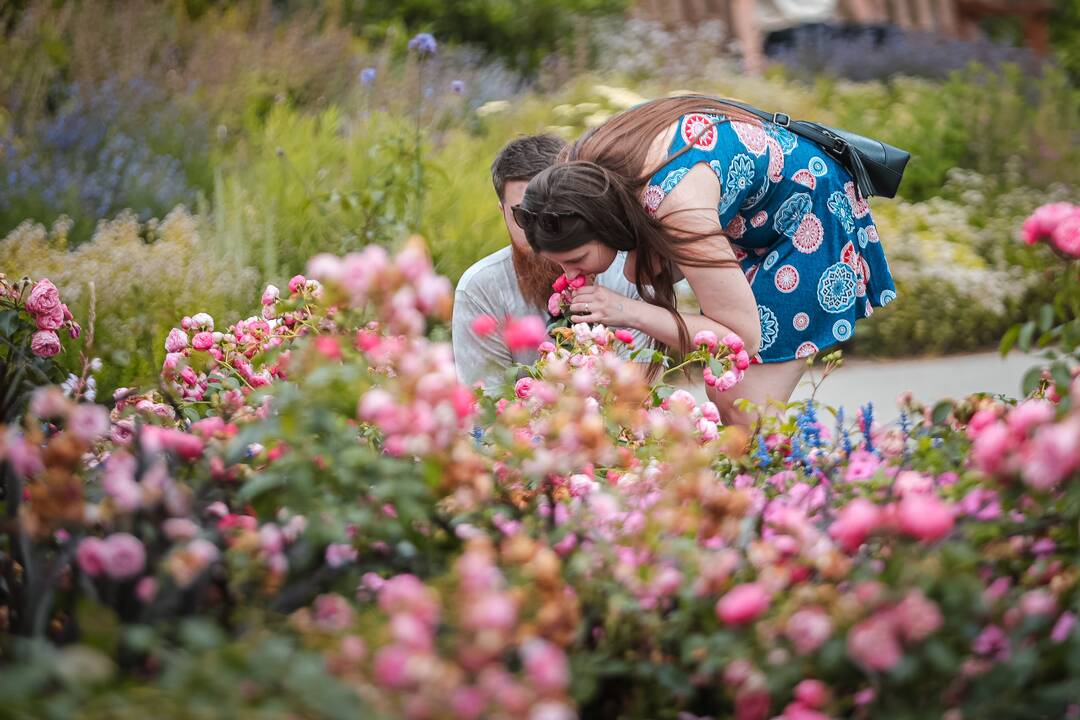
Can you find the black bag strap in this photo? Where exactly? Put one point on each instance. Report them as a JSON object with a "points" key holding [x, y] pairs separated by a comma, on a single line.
{"points": [[831, 143]]}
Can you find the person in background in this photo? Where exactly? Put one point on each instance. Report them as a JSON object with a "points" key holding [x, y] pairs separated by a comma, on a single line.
{"points": [[513, 281], [764, 27]]}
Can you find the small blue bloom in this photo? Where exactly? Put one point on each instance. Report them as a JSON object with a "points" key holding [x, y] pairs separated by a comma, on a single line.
{"points": [[457, 87], [367, 76], [423, 44]]}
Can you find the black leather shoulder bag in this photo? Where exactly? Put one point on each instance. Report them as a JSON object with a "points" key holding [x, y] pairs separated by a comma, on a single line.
{"points": [[877, 167]]}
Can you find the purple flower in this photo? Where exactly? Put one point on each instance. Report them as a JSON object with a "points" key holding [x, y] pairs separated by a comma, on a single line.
{"points": [[423, 44], [367, 76], [457, 87]]}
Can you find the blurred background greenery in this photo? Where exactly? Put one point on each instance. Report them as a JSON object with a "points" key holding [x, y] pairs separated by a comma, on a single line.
{"points": [[180, 154]]}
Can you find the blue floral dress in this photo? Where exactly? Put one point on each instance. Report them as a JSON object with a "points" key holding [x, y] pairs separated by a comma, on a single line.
{"points": [[804, 239]]}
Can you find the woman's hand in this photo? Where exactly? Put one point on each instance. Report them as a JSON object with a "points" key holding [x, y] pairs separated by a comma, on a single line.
{"points": [[596, 304]]}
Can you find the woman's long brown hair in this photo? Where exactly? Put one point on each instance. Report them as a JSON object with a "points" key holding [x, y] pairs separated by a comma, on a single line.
{"points": [[596, 186]]}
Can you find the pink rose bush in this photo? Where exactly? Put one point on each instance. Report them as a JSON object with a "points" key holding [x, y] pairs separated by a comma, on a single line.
{"points": [[1058, 225], [589, 544]]}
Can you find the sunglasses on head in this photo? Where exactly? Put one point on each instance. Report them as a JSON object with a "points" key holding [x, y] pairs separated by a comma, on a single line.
{"points": [[549, 222]]}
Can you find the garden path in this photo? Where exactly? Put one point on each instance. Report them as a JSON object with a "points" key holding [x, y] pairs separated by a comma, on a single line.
{"points": [[929, 379]]}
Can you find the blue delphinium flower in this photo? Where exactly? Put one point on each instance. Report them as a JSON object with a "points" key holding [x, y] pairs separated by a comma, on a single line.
{"points": [[867, 423], [423, 44], [367, 76], [762, 453], [842, 432], [808, 426]]}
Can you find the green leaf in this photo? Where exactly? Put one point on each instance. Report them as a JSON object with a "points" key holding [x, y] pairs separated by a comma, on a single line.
{"points": [[942, 411], [99, 625], [1062, 376], [1046, 317], [1031, 380], [1027, 332], [1008, 340]]}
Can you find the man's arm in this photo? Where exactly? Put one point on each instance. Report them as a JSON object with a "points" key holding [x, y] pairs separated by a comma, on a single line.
{"points": [[477, 357]]}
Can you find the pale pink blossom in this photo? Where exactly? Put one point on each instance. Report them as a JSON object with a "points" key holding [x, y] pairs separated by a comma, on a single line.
{"points": [[924, 517], [545, 665], [88, 422], [176, 341], [917, 617], [855, 522], [873, 643], [1053, 455], [1063, 628], [124, 555], [1037, 602], [45, 343], [43, 298], [91, 556], [340, 554], [808, 629]]}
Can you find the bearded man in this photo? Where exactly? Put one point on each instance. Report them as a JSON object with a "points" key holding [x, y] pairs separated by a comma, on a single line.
{"points": [[512, 281]]}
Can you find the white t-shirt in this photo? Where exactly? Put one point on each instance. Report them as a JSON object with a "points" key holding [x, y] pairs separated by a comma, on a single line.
{"points": [[783, 14], [490, 287]]}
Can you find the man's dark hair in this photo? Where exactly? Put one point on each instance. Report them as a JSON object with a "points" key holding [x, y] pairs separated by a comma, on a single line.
{"points": [[524, 158]]}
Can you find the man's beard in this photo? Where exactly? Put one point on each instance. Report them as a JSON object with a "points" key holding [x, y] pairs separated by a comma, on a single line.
{"points": [[535, 275]]}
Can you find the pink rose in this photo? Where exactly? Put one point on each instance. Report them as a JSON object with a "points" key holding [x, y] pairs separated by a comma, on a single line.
{"points": [[989, 449], [873, 643], [158, 439], [579, 282], [406, 593], [484, 325], [1063, 627], [146, 589], [51, 320], [545, 665], [707, 338], [854, 524], [924, 517], [560, 284], [88, 422], [742, 604], [1030, 414], [808, 629], [1066, 236], [44, 298], [45, 343], [733, 342], [554, 304], [524, 333], [176, 341], [523, 387], [203, 340], [296, 283], [125, 556], [91, 556], [270, 295], [1042, 223], [1037, 602], [1053, 454], [391, 666], [812, 693], [624, 336], [917, 617]]}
